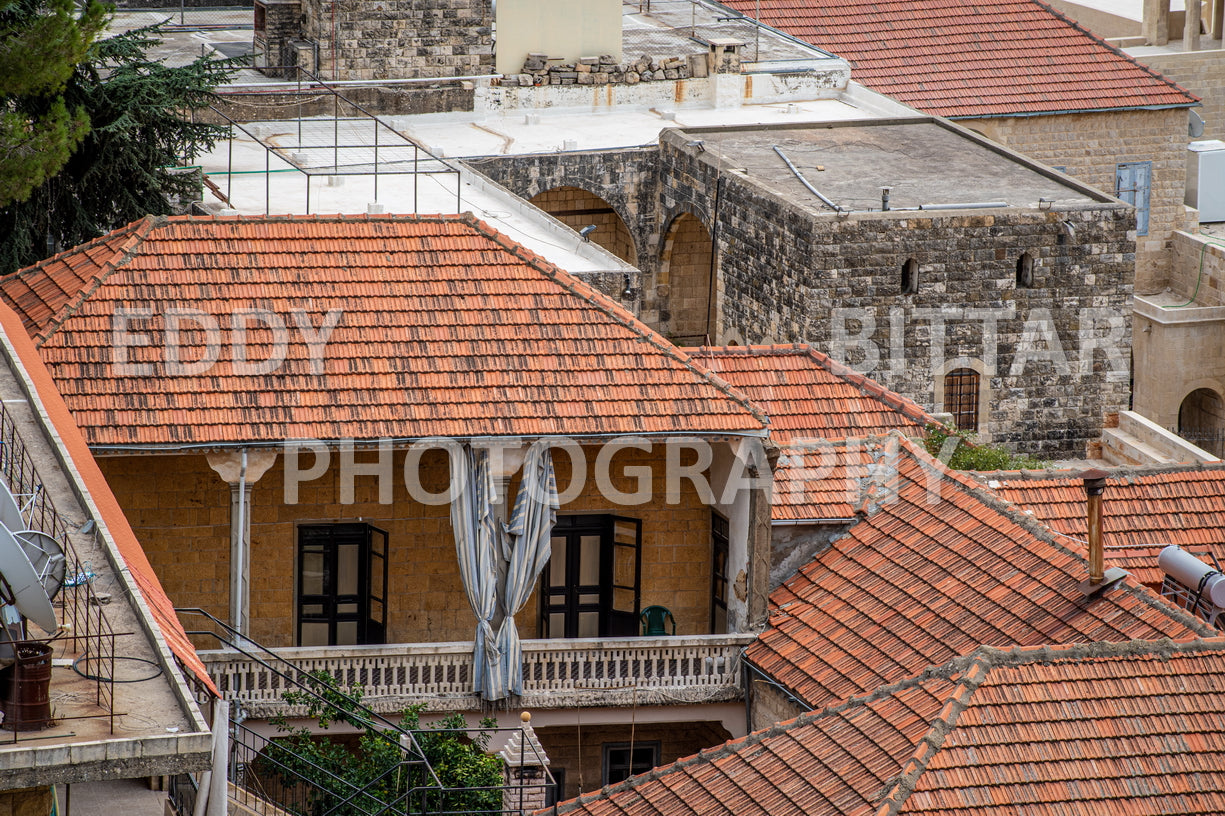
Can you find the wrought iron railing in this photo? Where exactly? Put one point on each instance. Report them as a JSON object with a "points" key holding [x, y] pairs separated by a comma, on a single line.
{"points": [[86, 628]]}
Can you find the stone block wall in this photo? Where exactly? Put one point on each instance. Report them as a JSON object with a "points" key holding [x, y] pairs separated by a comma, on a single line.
{"points": [[786, 273], [1092, 145], [400, 39], [578, 751], [1203, 74], [180, 510]]}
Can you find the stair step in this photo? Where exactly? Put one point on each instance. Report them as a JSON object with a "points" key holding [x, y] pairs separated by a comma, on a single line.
{"points": [[1121, 448]]}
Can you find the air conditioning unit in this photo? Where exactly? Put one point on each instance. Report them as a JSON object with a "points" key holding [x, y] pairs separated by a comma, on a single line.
{"points": [[1206, 179]]}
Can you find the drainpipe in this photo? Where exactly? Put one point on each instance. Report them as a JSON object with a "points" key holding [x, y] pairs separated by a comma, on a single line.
{"points": [[240, 550]]}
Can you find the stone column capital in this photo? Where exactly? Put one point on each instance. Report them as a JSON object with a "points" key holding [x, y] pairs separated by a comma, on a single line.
{"points": [[228, 465]]}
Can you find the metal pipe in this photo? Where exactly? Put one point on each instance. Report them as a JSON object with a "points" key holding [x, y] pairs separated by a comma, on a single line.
{"points": [[974, 205], [804, 181], [1095, 486]]}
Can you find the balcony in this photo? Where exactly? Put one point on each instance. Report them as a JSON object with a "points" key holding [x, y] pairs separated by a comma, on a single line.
{"points": [[556, 673]]}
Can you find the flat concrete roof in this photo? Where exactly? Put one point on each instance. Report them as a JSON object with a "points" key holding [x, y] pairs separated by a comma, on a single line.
{"points": [[925, 162]]}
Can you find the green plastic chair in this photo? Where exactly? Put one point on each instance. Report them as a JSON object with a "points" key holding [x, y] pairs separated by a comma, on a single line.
{"points": [[653, 619]]}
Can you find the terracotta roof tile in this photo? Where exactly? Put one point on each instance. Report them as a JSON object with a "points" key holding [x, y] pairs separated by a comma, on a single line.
{"points": [[446, 328], [1133, 727], [807, 395], [937, 568], [1142, 511], [970, 58]]}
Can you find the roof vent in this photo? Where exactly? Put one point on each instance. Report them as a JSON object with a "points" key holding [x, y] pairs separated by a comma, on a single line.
{"points": [[1099, 577]]}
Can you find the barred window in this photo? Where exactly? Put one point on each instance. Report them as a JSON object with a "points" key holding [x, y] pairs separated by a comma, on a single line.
{"points": [[961, 398]]}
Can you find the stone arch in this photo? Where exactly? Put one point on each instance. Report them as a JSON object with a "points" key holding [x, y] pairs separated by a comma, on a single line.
{"points": [[577, 208], [685, 290], [1201, 420]]}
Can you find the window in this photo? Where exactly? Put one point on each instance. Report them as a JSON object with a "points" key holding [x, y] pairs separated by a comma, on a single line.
{"points": [[622, 759], [1131, 184], [591, 586], [1025, 271], [718, 574], [341, 584], [961, 398], [910, 277]]}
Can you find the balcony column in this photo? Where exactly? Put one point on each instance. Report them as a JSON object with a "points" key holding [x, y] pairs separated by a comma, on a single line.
{"points": [[240, 470], [761, 530]]}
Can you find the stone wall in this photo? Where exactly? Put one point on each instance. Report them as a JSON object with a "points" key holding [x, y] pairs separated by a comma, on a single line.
{"points": [[626, 179], [578, 751], [1092, 145], [385, 100], [400, 39], [786, 273], [789, 274], [1203, 74], [770, 705]]}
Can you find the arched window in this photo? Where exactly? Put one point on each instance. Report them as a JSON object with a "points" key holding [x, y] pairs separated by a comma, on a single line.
{"points": [[961, 398], [910, 277], [1025, 271]]}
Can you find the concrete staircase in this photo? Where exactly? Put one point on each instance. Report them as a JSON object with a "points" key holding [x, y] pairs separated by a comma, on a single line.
{"points": [[1135, 441]]}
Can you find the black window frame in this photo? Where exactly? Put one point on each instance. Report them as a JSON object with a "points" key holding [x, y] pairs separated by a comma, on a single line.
{"points": [[611, 776], [720, 546], [370, 599], [567, 599]]}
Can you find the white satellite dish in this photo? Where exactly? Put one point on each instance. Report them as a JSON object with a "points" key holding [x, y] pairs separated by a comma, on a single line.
{"points": [[32, 564], [29, 596]]}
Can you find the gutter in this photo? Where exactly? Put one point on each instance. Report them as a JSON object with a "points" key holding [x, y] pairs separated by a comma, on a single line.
{"points": [[1028, 115], [798, 522]]}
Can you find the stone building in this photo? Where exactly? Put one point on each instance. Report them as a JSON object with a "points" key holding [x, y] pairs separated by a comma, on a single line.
{"points": [[1028, 78], [994, 290]]}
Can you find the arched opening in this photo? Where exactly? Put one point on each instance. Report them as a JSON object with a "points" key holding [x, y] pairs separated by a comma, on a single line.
{"points": [[686, 270], [961, 397], [1201, 420], [579, 209], [910, 277], [1025, 271]]}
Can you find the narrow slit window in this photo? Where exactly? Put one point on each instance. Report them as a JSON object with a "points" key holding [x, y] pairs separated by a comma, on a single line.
{"points": [[1025, 271], [961, 398], [910, 277]]}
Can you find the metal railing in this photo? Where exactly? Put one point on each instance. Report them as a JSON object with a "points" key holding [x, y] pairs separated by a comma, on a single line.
{"points": [[87, 628], [351, 142]]}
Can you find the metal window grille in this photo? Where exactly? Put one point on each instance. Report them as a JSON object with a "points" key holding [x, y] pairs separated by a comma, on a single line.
{"points": [[961, 398]]}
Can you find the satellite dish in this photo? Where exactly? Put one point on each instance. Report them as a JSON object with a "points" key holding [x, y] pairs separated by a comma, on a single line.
{"points": [[47, 557], [26, 585], [32, 564]]}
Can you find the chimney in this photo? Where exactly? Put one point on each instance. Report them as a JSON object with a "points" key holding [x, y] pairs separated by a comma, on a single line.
{"points": [[1095, 486], [1099, 576]]}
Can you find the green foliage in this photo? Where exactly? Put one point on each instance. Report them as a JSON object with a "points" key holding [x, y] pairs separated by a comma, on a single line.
{"points": [[126, 166], [373, 774], [40, 43], [973, 455]]}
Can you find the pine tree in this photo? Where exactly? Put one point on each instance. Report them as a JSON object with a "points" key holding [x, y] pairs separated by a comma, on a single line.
{"points": [[40, 44], [129, 164]]}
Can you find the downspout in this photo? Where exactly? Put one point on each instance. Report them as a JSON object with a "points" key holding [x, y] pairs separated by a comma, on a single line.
{"points": [[240, 550]]}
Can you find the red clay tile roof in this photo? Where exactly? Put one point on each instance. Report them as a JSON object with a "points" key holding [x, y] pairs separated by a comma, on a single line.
{"points": [[938, 568], [837, 761], [447, 328], [971, 58], [1142, 511], [820, 481], [1134, 727], [808, 395], [113, 519]]}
